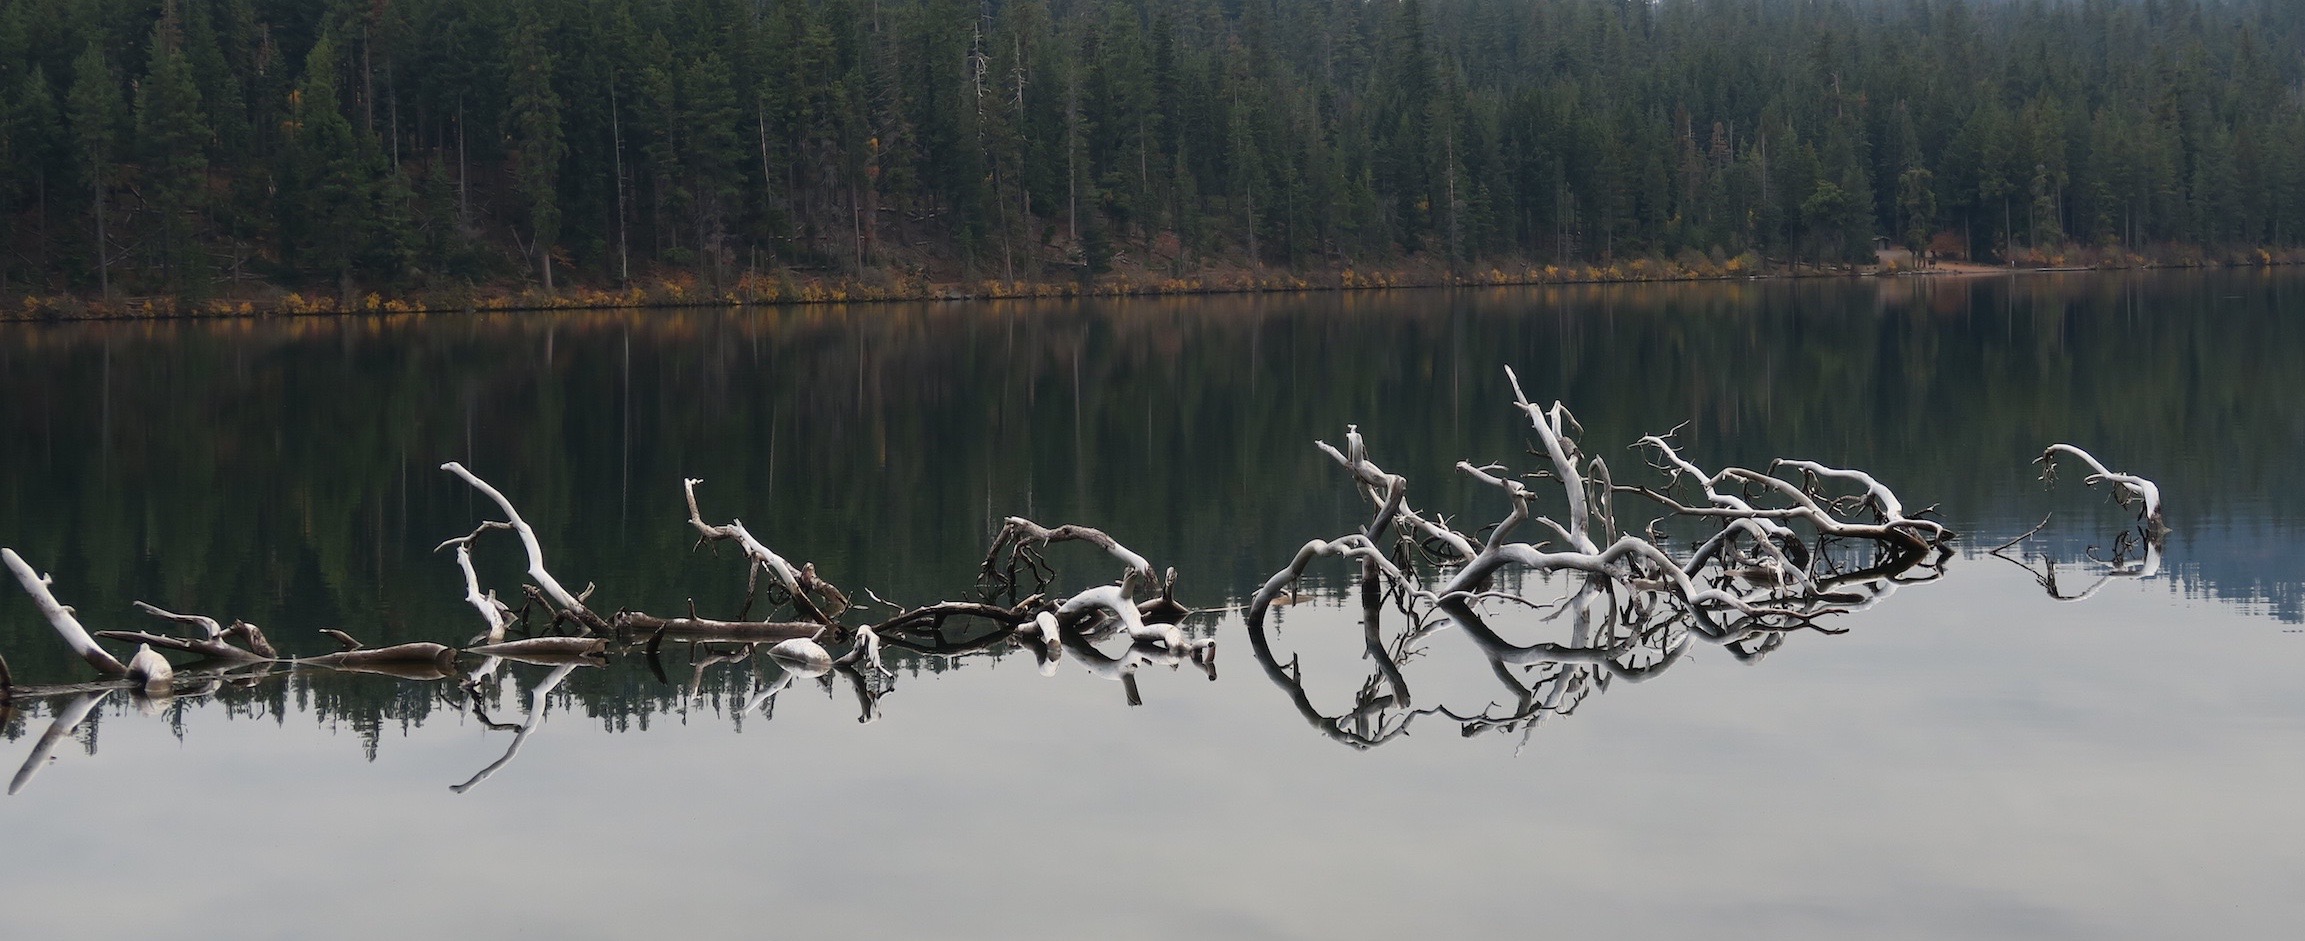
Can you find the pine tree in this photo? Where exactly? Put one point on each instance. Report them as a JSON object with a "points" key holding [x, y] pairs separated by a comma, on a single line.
{"points": [[327, 178], [538, 146], [174, 138]]}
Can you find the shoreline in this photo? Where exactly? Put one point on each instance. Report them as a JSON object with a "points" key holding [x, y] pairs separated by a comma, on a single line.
{"points": [[752, 290]]}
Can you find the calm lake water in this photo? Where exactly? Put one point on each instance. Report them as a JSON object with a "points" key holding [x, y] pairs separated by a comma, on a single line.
{"points": [[1972, 757]]}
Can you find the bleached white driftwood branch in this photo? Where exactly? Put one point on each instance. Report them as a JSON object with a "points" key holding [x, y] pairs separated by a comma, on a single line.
{"points": [[560, 597], [2130, 487], [61, 616], [1354, 546], [215, 642], [1380, 488], [496, 614], [1552, 431]]}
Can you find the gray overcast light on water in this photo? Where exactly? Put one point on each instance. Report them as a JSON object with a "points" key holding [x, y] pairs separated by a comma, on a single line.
{"points": [[1970, 759]]}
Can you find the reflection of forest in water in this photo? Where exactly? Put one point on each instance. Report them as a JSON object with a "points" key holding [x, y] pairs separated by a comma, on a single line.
{"points": [[284, 471]]}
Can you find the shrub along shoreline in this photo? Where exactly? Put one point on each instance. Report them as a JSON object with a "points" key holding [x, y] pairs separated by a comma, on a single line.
{"points": [[682, 289]]}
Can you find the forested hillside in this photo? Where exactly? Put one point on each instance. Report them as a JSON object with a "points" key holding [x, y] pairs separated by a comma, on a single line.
{"points": [[203, 148]]}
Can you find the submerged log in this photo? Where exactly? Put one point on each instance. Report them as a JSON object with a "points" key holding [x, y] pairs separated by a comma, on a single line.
{"points": [[422, 660], [632, 625], [544, 647], [210, 648]]}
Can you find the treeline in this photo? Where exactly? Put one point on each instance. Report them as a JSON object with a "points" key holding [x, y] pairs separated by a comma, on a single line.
{"points": [[198, 147]]}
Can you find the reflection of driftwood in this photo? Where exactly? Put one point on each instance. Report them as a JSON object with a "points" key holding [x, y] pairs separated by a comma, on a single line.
{"points": [[537, 703], [2120, 565], [68, 717]]}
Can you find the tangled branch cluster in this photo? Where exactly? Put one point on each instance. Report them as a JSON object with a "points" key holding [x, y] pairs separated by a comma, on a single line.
{"points": [[1784, 552]]}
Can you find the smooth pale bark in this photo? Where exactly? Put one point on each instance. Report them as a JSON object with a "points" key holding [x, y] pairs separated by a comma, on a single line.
{"points": [[1382, 488], [150, 670], [2132, 488], [559, 596], [212, 649], [60, 616]]}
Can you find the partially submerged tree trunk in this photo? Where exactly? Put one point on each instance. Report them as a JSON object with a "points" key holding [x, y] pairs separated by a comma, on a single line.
{"points": [[60, 616]]}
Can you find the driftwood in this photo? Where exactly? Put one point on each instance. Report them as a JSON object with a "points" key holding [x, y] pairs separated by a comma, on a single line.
{"points": [[569, 605], [2127, 488], [68, 717], [706, 630], [1782, 550], [419, 653], [1777, 559], [827, 602], [61, 616], [545, 650], [1020, 540]]}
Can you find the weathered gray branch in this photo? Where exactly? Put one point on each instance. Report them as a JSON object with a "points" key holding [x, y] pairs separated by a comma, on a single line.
{"points": [[1019, 533], [796, 583]]}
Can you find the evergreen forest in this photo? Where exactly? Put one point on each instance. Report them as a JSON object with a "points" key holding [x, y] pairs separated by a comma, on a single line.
{"points": [[213, 148]]}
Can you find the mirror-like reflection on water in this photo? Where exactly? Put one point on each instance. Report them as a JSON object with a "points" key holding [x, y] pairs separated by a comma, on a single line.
{"points": [[2061, 727]]}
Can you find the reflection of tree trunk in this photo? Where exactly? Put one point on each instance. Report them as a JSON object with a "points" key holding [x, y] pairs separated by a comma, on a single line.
{"points": [[103, 257]]}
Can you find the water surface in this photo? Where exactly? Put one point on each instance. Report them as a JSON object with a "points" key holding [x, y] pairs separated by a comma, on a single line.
{"points": [[1972, 758]]}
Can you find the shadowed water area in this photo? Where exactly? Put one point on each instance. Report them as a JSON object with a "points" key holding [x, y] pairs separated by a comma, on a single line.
{"points": [[1969, 757]]}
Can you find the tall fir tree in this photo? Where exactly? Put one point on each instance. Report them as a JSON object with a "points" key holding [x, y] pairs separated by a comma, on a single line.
{"points": [[173, 138]]}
